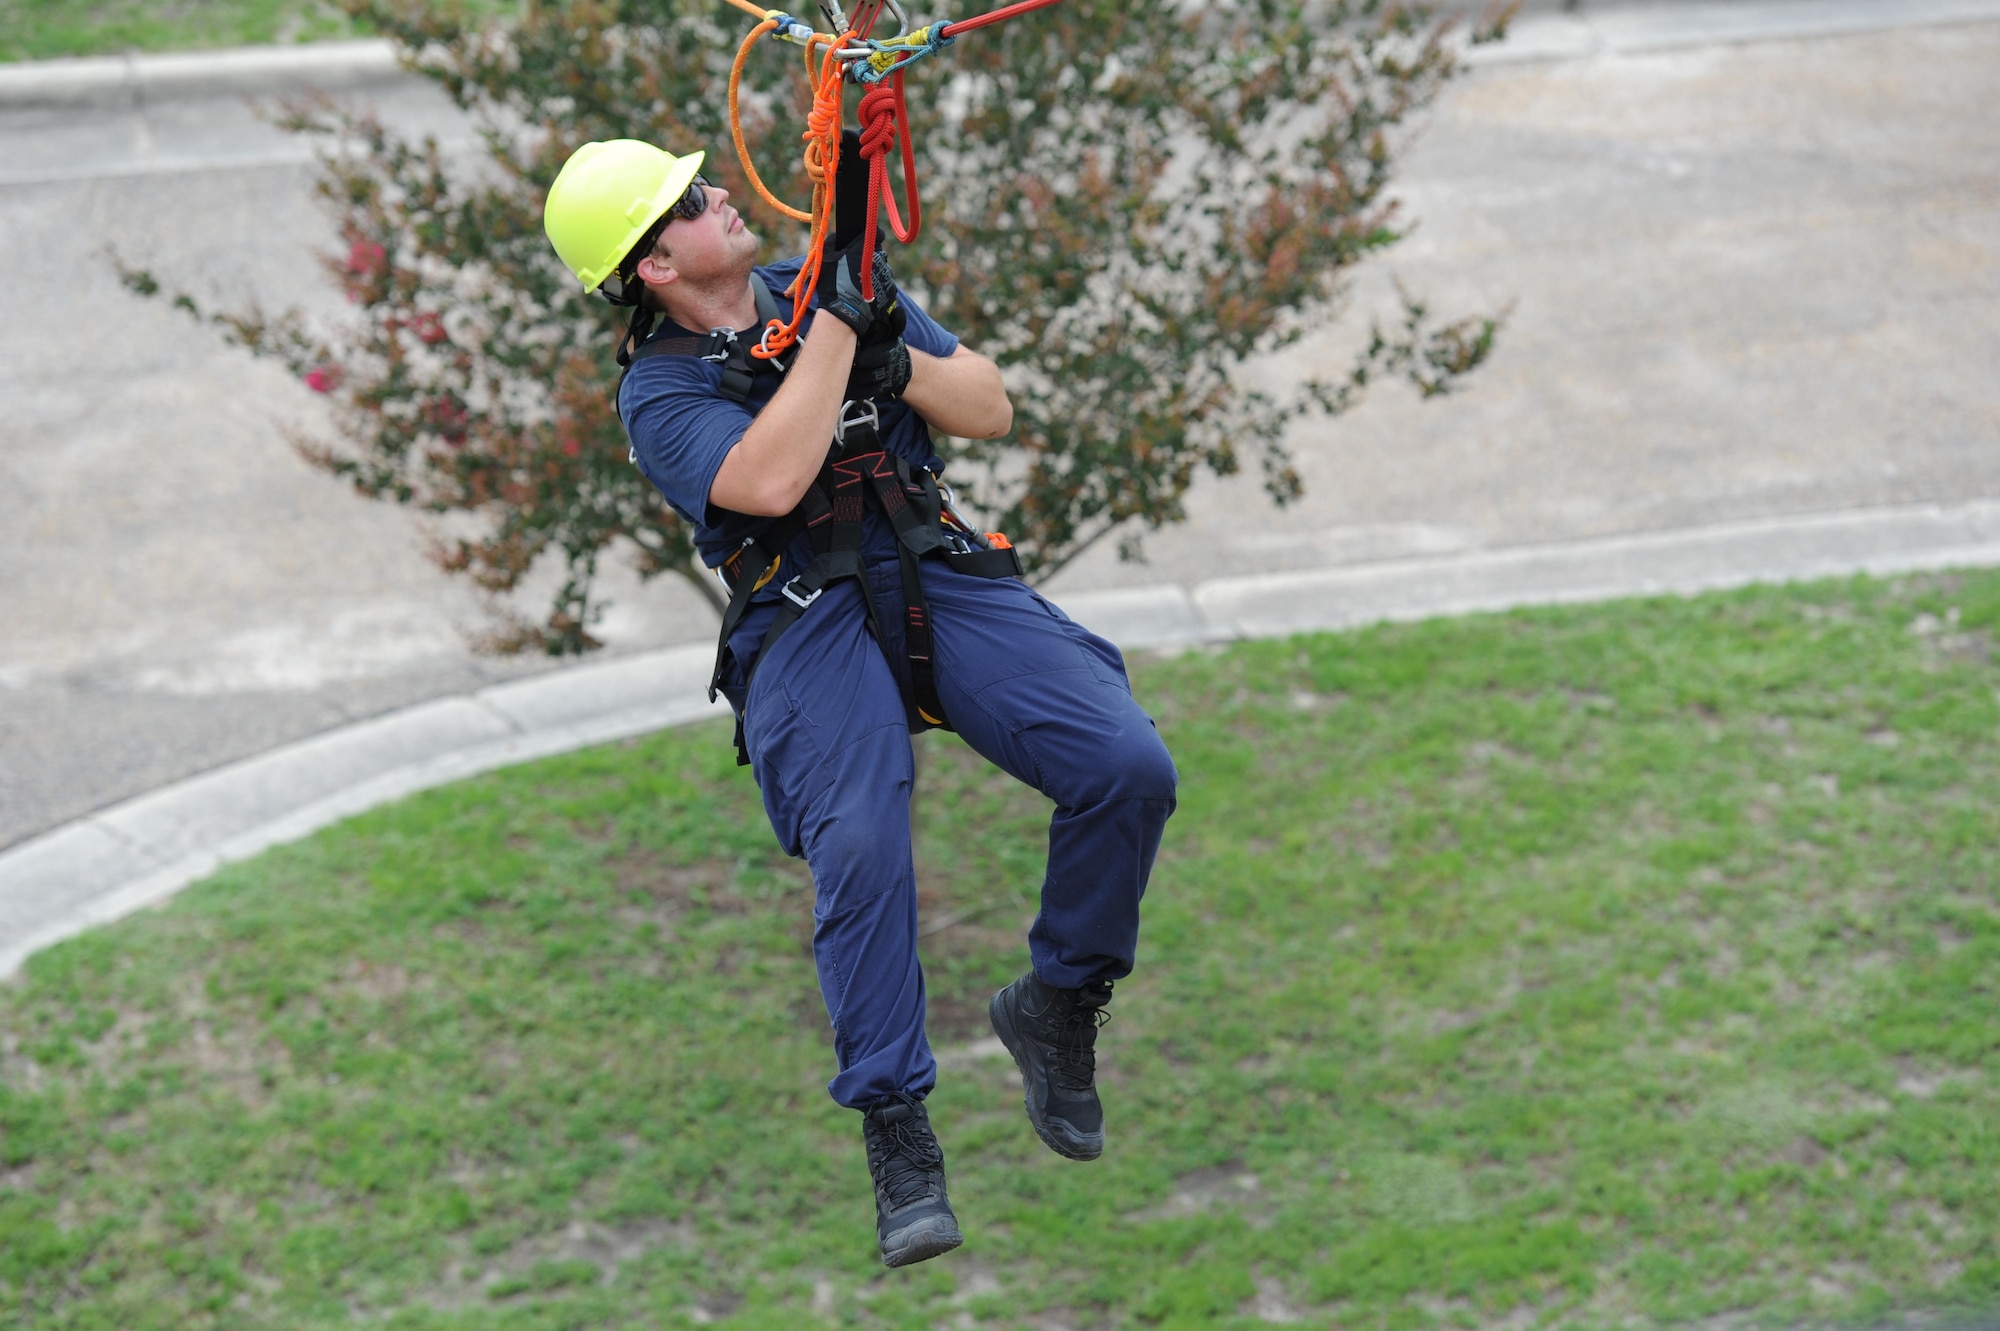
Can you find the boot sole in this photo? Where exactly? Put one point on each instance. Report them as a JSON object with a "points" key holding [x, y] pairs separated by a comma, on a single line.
{"points": [[1003, 1026], [922, 1241]]}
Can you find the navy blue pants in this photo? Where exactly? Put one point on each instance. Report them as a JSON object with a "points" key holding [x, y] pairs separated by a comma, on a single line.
{"points": [[1030, 690]]}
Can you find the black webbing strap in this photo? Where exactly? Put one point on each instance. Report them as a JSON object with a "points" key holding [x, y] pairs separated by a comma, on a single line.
{"points": [[917, 534], [723, 347], [759, 559]]}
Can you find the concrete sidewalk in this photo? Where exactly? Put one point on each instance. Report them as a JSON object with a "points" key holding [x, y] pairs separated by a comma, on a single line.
{"points": [[144, 850]]}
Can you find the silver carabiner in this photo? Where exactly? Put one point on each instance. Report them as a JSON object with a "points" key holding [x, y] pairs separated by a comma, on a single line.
{"points": [[854, 415]]}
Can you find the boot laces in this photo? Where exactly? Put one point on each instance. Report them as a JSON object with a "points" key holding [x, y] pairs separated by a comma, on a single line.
{"points": [[1073, 1070], [905, 1158]]}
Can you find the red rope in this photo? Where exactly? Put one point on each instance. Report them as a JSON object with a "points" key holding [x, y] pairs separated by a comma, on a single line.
{"points": [[885, 117], [1004, 12]]}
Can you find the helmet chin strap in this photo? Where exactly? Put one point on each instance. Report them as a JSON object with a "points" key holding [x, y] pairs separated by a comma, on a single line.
{"points": [[637, 329], [629, 295]]}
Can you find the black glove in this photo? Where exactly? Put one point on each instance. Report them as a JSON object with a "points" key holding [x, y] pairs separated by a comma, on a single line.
{"points": [[890, 321], [881, 370], [840, 290]]}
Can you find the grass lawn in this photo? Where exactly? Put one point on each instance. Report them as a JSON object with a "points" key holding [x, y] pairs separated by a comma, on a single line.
{"points": [[38, 29], [1592, 966]]}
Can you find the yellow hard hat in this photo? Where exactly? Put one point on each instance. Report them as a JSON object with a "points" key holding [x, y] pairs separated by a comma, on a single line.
{"points": [[604, 199]]}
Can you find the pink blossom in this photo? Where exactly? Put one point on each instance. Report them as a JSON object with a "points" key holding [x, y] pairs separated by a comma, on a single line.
{"points": [[447, 415], [365, 256], [428, 327], [571, 448], [323, 379]]}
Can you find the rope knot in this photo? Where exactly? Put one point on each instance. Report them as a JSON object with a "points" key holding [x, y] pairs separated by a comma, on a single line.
{"points": [[885, 119]]}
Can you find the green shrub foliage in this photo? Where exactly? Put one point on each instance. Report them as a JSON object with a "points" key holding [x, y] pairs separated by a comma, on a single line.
{"points": [[1123, 204]]}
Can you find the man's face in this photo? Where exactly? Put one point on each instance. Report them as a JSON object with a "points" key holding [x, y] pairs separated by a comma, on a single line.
{"points": [[711, 247]]}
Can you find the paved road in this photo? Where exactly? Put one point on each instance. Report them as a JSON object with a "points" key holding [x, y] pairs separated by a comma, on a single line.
{"points": [[1749, 280]]}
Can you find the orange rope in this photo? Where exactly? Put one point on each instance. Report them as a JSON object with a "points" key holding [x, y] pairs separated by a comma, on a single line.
{"points": [[736, 123], [822, 139]]}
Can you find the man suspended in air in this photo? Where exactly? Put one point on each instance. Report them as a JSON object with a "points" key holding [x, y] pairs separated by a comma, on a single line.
{"points": [[863, 610]]}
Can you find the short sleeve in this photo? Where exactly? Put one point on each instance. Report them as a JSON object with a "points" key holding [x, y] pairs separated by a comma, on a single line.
{"points": [[924, 333], [681, 429]]}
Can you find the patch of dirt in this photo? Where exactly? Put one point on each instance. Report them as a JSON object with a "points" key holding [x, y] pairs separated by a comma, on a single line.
{"points": [[660, 891], [469, 1280], [1945, 644], [1055, 1319], [380, 982], [1304, 700], [1202, 1190], [1914, 1079], [973, 1279], [16, 1068], [1269, 1303], [715, 1307], [1804, 1152], [232, 1055], [972, 1053]]}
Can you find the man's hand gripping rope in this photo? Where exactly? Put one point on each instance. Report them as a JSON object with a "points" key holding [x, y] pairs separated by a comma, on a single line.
{"points": [[885, 119]]}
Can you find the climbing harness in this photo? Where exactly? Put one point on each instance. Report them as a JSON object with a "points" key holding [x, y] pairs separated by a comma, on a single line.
{"points": [[861, 472], [849, 53], [858, 472]]}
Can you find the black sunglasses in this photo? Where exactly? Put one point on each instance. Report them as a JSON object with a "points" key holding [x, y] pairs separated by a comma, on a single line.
{"points": [[691, 204]]}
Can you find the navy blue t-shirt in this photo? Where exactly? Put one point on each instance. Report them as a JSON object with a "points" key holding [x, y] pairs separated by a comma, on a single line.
{"points": [[681, 426]]}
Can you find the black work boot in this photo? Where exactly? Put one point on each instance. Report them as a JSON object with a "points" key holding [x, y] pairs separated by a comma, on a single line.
{"points": [[1052, 1034], [913, 1219]]}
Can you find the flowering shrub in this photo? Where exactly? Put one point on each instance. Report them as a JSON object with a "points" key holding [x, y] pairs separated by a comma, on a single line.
{"points": [[1124, 204]]}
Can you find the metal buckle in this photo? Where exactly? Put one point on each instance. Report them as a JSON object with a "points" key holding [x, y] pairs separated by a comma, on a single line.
{"points": [[854, 415], [802, 602], [720, 355]]}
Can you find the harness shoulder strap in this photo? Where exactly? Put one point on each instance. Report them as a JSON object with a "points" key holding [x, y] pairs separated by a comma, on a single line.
{"points": [[722, 346]]}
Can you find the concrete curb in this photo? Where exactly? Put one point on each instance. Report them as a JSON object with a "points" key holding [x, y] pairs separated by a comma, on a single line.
{"points": [[131, 82], [132, 855], [1640, 31], [140, 852]]}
